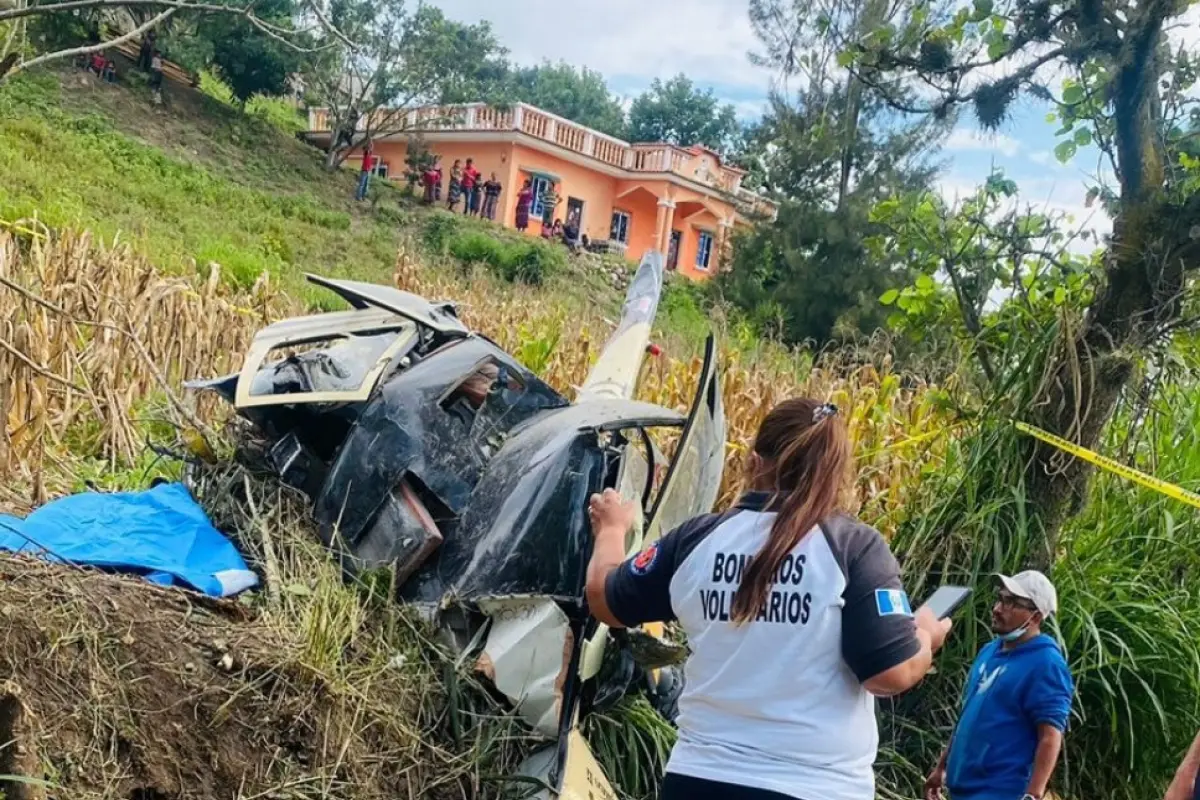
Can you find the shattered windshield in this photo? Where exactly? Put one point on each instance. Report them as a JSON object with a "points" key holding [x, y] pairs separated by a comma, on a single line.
{"points": [[338, 366]]}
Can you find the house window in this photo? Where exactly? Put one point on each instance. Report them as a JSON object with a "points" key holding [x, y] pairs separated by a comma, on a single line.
{"points": [[704, 250], [619, 230], [380, 170], [538, 209]]}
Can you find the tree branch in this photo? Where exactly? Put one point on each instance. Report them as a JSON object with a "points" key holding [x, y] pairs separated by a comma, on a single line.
{"points": [[276, 32], [1133, 136], [1023, 75], [94, 48], [75, 5]]}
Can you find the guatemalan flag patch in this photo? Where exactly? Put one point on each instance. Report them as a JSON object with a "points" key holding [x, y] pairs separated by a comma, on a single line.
{"points": [[892, 601]]}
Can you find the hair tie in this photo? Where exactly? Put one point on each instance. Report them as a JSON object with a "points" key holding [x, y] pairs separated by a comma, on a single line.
{"points": [[824, 411]]}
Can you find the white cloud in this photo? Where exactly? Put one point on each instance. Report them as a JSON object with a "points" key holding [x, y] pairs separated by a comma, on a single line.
{"points": [[973, 139], [1046, 160], [708, 39]]}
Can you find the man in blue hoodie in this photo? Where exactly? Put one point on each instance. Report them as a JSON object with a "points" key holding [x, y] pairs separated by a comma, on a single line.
{"points": [[1015, 705]]}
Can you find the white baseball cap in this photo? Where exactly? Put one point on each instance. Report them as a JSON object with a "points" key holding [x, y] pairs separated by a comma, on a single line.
{"points": [[1035, 587]]}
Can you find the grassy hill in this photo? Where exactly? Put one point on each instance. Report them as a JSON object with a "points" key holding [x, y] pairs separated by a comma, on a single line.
{"points": [[200, 181]]}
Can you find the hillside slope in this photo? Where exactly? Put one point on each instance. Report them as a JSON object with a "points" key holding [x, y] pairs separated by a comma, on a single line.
{"points": [[200, 181]]}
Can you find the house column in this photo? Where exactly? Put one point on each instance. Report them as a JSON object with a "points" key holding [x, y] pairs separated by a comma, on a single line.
{"points": [[658, 224], [723, 242], [666, 213]]}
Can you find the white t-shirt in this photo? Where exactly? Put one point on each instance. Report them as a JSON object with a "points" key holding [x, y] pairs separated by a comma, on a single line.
{"points": [[777, 703]]}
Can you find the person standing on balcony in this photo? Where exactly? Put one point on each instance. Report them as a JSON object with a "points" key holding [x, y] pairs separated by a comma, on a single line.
{"points": [[491, 197], [364, 175], [1015, 706], [455, 188], [795, 617], [524, 203]]}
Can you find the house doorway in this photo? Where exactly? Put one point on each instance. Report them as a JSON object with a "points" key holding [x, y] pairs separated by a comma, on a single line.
{"points": [[673, 250], [574, 209]]}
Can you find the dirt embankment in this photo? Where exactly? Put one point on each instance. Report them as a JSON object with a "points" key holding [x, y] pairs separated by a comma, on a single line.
{"points": [[111, 687], [119, 689]]}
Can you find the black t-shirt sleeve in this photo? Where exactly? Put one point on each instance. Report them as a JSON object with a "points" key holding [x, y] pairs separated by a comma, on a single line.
{"points": [[878, 631], [639, 590]]}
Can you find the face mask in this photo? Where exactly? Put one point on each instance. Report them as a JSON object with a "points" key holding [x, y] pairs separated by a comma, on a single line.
{"points": [[1015, 635]]}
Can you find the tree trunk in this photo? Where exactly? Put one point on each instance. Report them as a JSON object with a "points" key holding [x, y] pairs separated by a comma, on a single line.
{"points": [[332, 159], [1152, 249]]}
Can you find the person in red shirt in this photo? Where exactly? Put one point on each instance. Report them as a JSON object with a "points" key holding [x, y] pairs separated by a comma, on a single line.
{"points": [[429, 179], [470, 177], [368, 164]]}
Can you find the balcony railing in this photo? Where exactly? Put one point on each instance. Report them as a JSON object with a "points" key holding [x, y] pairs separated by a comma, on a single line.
{"points": [[547, 127]]}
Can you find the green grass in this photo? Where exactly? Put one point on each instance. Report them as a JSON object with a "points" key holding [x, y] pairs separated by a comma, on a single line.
{"points": [[200, 180], [1126, 571], [247, 198]]}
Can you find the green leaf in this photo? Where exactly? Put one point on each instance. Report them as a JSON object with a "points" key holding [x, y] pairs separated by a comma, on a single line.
{"points": [[1065, 151], [896, 320], [889, 297], [983, 10], [997, 48], [1052, 117], [925, 283], [846, 58], [887, 208], [1083, 137], [1072, 94]]}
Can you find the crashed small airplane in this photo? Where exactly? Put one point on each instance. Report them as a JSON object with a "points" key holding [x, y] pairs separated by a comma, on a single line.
{"points": [[429, 451]]}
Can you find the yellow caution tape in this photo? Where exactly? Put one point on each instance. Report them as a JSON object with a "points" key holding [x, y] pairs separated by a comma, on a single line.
{"points": [[887, 448], [1115, 467], [12, 226]]}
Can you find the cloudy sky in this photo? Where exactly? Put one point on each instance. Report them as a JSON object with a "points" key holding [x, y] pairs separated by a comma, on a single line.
{"points": [[632, 42]]}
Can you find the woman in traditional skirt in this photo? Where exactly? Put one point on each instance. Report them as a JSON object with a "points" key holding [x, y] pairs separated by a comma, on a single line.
{"points": [[524, 201], [455, 185]]}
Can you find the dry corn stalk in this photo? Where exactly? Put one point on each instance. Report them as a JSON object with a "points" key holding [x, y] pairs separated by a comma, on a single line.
{"points": [[90, 333]]}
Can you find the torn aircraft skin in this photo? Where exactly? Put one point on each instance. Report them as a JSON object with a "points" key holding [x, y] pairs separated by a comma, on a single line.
{"points": [[429, 451]]}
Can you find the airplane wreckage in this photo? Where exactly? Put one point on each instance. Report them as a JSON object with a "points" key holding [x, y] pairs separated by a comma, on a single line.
{"points": [[428, 450]]}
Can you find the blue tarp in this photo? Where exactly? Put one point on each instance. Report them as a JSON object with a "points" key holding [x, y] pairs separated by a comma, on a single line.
{"points": [[160, 534]]}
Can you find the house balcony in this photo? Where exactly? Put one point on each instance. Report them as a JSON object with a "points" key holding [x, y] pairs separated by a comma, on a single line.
{"points": [[694, 165]]}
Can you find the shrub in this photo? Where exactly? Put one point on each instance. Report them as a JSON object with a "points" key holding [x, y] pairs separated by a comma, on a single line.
{"points": [[532, 262], [440, 229], [682, 309], [277, 112], [472, 246]]}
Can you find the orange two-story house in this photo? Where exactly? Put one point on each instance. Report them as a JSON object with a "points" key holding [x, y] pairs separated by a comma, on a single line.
{"points": [[682, 201]]}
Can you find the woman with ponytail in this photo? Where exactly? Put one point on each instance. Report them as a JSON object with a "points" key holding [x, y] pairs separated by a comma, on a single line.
{"points": [[794, 614]]}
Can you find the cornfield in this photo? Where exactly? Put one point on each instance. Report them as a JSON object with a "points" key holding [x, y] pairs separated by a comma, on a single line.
{"points": [[96, 343], [93, 333]]}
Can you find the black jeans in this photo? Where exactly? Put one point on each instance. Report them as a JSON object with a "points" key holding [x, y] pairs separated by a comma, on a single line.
{"points": [[681, 787]]}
